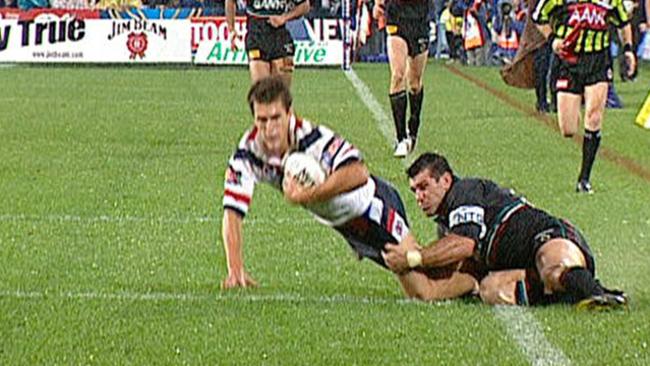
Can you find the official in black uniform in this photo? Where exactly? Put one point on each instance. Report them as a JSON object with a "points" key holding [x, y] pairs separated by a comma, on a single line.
{"points": [[269, 45], [581, 38], [536, 257], [407, 28]]}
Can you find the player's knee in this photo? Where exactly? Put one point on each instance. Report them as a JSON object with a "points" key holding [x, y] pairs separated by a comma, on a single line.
{"points": [[487, 292], [493, 293], [397, 78]]}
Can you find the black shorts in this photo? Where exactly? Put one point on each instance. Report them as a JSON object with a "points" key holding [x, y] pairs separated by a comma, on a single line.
{"points": [[591, 68], [527, 231], [267, 43], [383, 222], [411, 23]]}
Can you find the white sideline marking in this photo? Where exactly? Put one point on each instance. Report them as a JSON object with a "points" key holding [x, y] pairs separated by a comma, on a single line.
{"points": [[136, 219], [519, 323], [164, 296], [527, 332]]}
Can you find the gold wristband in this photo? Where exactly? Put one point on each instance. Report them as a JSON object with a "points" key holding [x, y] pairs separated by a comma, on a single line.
{"points": [[414, 258]]}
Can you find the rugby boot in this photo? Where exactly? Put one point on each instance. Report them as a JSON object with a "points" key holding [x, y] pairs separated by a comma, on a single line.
{"points": [[609, 300], [583, 186]]}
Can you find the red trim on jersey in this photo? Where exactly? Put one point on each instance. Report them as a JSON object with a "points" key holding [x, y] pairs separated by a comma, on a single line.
{"points": [[391, 220], [351, 147], [237, 196], [251, 136], [298, 121]]}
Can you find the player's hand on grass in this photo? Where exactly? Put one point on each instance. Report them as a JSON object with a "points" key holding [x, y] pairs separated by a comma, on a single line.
{"points": [[395, 257], [296, 193], [238, 279]]}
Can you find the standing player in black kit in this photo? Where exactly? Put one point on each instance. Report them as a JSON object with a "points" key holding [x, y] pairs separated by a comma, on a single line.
{"points": [[269, 45], [407, 27]]}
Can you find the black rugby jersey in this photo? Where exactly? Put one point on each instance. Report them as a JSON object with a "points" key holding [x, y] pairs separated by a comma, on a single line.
{"points": [[478, 209], [266, 8]]}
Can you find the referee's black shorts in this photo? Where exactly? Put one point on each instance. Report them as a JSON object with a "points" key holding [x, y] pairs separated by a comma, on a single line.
{"points": [[591, 68]]}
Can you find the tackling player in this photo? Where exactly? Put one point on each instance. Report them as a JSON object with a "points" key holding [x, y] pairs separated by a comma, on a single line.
{"points": [[269, 45], [365, 209], [507, 234]]}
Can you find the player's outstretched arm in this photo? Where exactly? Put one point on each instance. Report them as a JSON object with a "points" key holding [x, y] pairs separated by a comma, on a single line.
{"points": [[231, 231]]}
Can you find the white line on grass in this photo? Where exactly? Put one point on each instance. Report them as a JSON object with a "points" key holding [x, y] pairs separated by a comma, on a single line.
{"points": [[519, 323], [136, 219], [527, 332], [164, 296]]}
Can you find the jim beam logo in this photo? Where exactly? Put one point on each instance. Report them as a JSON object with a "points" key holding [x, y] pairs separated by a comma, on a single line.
{"points": [[137, 30], [137, 44]]}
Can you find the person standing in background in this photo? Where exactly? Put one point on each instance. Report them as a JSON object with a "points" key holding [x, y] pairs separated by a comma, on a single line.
{"points": [[269, 44], [580, 36], [407, 29]]}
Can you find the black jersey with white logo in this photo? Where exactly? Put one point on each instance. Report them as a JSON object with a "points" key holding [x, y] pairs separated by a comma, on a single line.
{"points": [[265, 8], [480, 209]]}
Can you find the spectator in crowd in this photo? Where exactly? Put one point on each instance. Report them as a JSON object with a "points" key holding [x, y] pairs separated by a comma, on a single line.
{"points": [[508, 27], [476, 34], [8, 4], [33, 4], [442, 46], [453, 33], [118, 4]]}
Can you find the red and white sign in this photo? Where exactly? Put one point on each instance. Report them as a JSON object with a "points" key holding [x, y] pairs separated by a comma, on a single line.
{"points": [[49, 38]]}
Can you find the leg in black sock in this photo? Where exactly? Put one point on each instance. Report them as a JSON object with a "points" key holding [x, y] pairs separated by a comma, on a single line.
{"points": [[590, 145], [415, 104], [398, 106], [580, 284]]}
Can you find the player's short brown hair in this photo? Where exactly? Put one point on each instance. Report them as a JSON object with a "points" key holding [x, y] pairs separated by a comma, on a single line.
{"points": [[435, 163], [269, 90]]}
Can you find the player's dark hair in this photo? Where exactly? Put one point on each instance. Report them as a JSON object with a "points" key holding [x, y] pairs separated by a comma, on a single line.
{"points": [[268, 90], [435, 163]]}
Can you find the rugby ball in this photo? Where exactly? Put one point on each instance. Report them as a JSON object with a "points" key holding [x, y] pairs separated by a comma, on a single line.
{"points": [[304, 168]]}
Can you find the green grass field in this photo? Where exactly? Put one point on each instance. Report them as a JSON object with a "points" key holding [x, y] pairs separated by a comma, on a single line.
{"points": [[110, 246]]}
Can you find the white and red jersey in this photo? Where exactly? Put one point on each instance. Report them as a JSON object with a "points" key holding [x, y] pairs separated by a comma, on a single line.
{"points": [[249, 165]]}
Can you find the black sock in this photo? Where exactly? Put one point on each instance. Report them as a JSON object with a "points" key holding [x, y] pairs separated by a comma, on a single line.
{"points": [[580, 284], [398, 105], [415, 104], [590, 144]]}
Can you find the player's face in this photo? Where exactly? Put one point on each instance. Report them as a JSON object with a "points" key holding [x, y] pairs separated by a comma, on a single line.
{"points": [[272, 121], [428, 191]]}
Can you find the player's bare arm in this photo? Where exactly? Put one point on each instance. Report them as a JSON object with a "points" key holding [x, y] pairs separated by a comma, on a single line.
{"points": [[378, 9], [231, 9], [345, 179], [450, 249], [630, 59], [231, 231], [297, 12]]}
